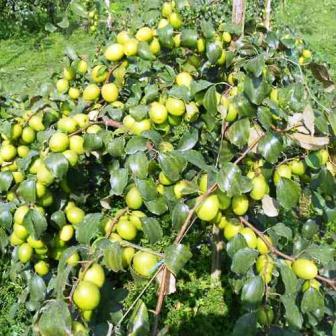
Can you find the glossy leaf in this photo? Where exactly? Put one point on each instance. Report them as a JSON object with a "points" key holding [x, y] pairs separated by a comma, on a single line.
{"points": [[88, 228], [270, 147], [35, 223], [243, 260], [152, 229], [288, 193], [176, 256], [238, 133], [57, 164], [253, 290]]}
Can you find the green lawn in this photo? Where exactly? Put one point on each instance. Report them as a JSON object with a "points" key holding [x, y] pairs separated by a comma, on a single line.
{"points": [[28, 62]]}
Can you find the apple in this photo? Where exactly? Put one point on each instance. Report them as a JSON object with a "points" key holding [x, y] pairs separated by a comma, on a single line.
{"points": [[127, 256], [99, 74], [184, 79], [41, 268], [67, 125], [86, 295], [25, 252], [7, 152], [144, 34], [240, 205], [75, 215], [282, 171], [131, 47], [110, 92], [158, 113], [144, 263], [175, 20], [261, 246], [126, 230], [96, 275], [76, 144], [36, 123], [298, 167], [175, 106], [305, 269], [133, 198], [22, 151], [58, 142], [20, 214], [250, 237], [259, 187], [208, 208], [66, 233], [62, 85], [28, 135], [91, 92]]}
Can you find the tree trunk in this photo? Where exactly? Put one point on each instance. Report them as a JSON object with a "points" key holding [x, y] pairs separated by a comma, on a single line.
{"points": [[109, 16], [267, 20], [238, 13]]}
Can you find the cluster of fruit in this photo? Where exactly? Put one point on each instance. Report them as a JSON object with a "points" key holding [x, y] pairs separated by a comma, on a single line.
{"points": [[93, 15]]}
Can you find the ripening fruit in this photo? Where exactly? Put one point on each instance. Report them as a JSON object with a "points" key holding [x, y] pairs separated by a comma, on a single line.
{"points": [[155, 46], [261, 246], [123, 37], [16, 131], [282, 171], [41, 268], [226, 37], [259, 188], [86, 295], [28, 135], [15, 240], [158, 113], [20, 231], [311, 284], [82, 120], [144, 263], [323, 156], [306, 53], [75, 215], [133, 198], [179, 188], [167, 9], [164, 179], [163, 23], [144, 34], [91, 92], [76, 144], [62, 85], [208, 208], [224, 200], [305, 269], [250, 237], [240, 205], [114, 52], [66, 233], [135, 218], [110, 92], [184, 78], [131, 47], [20, 214], [177, 40], [58, 142], [73, 259], [298, 167], [203, 183], [231, 229], [200, 45], [67, 124], [274, 95], [99, 73], [141, 126], [93, 129], [36, 123], [175, 106], [35, 243], [232, 112], [25, 252], [82, 67], [265, 316], [7, 152], [71, 156], [264, 266], [126, 230], [69, 73], [96, 275], [175, 20], [222, 58], [127, 256]]}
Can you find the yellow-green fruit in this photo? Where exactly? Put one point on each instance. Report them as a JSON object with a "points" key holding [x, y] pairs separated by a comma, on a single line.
{"points": [[73, 259], [20, 214], [58, 142], [20, 231], [7, 152], [179, 188], [222, 58], [141, 126], [28, 135], [311, 284], [175, 20], [71, 156], [208, 208], [282, 171], [82, 67], [99, 73], [261, 246], [323, 156], [240, 205], [78, 329], [135, 218], [223, 222], [305, 269], [265, 265], [164, 179], [226, 37], [16, 131], [76, 144], [62, 85], [86, 295], [123, 37], [15, 240], [155, 46], [250, 237], [177, 40], [192, 112], [184, 78], [66, 233], [306, 53], [36, 123], [144, 34], [87, 315], [203, 183], [274, 95], [167, 9], [22, 151], [67, 125], [95, 274], [114, 52], [69, 73], [91, 92], [25, 252], [163, 23], [18, 177], [75, 215], [82, 120], [231, 229], [41, 268], [298, 167], [35, 243], [133, 198], [175, 106], [131, 47], [144, 263], [224, 200], [114, 237], [126, 230], [158, 113], [200, 45], [259, 188], [110, 92], [232, 112], [127, 255]]}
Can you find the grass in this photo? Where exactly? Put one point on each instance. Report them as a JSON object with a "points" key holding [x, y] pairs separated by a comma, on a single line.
{"points": [[28, 62]]}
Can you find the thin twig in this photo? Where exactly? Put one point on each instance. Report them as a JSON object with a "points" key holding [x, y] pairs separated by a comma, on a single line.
{"points": [[249, 148]]}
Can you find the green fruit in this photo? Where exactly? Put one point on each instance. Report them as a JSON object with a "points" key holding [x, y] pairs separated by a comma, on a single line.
{"points": [[62, 85], [114, 52], [141, 126], [175, 106], [131, 47], [69, 73], [192, 112], [144, 34], [71, 156], [264, 266], [67, 125], [45, 176], [127, 256], [82, 67], [179, 188], [78, 329], [99, 74], [75, 215], [35, 243], [134, 199], [7, 152], [135, 219], [297, 167], [259, 188], [250, 237], [82, 120], [265, 316], [208, 208], [73, 259], [144, 263], [232, 112], [25, 253], [86, 295], [96, 275], [20, 231], [91, 92], [76, 144], [36, 123], [282, 171], [323, 156], [231, 229], [158, 113], [20, 213], [184, 79], [240, 205], [126, 229], [203, 183], [164, 179], [261, 246], [41, 268], [28, 135], [15, 240], [311, 284], [305, 269], [167, 9], [22, 151], [309, 229], [16, 131], [224, 200], [66, 233], [175, 20], [155, 46], [58, 142], [110, 92]]}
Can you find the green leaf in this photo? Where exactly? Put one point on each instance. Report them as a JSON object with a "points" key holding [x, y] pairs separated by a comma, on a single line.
{"points": [[157, 206], [256, 65], [152, 229], [235, 244], [118, 181], [256, 89], [172, 165], [58, 217], [24, 163], [138, 324], [50, 27], [270, 147], [136, 144], [311, 301], [35, 223], [289, 279], [166, 36], [189, 38], [147, 189], [55, 319], [243, 260], [213, 52], [293, 315], [195, 158], [188, 140], [6, 179], [6, 218], [231, 181], [246, 325], [208, 29], [92, 141], [27, 190], [199, 85], [88, 228], [176, 256], [139, 112], [138, 165], [64, 23], [288, 193], [239, 132], [37, 289], [210, 100], [323, 253], [57, 164], [78, 9], [179, 215], [113, 257], [282, 230], [253, 290], [151, 93], [115, 147], [144, 51]]}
